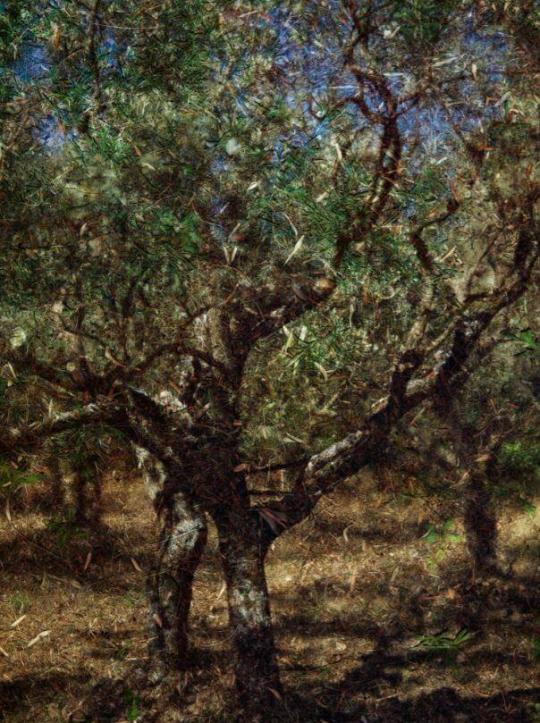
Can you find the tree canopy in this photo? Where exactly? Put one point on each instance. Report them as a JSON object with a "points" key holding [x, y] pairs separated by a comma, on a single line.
{"points": [[255, 234]]}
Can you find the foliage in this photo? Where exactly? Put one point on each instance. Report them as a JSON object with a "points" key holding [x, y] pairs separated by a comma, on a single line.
{"points": [[520, 457], [441, 537], [245, 233], [445, 644], [13, 479], [133, 704]]}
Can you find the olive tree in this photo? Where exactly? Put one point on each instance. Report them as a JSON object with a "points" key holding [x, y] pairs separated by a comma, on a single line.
{"points": [[191, 193]]}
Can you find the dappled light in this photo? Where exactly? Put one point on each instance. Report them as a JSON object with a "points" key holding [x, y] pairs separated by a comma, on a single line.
{"points": [[269, 383]]}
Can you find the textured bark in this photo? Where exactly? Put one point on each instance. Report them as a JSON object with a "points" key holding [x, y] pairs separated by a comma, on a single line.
{"points": [[256, 669], [170, 583]]}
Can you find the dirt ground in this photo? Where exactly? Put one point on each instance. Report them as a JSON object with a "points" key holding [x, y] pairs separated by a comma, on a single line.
{"points": [[376, 616]]}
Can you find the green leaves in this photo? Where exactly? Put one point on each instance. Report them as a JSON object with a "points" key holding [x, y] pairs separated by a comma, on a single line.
{"points": [[520, 457], [441, 538], [111, 145], [444, 533], [528, 341], [190, 233], [13, 479], [133, 705], [445, 644], [420, 21]]}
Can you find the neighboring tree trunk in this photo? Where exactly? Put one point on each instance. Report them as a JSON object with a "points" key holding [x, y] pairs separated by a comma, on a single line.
{"points": [[256, 668], [476, 455], [56, 487], [480, 523], [87, 494], [182, 541], [80, 497]]}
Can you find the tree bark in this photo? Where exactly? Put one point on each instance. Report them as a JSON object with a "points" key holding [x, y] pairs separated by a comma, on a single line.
{"points": [[170, 585], [256, 669]]}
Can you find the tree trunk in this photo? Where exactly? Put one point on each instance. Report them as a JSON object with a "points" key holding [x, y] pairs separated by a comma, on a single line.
{"points": [[256, 669], [170, 583], [87, 493], [57, 493], [480, 524], [80, 497]]}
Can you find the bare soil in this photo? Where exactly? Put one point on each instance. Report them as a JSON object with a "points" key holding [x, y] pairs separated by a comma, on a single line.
{"points": [[377, 616]]}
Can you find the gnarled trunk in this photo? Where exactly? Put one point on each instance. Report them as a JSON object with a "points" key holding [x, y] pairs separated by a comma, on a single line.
{"points": [[170, 584], [256, 668]]}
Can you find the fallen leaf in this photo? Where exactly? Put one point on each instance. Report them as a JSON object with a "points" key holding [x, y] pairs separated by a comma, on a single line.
{"points": [[241, 467], [136, 564], [296, 249], [38, 637]]}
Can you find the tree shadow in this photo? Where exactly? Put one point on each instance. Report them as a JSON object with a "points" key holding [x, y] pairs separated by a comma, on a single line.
{"points": [[374, 689], [446, 705], [111, 699], [362, 694], [381, 530], [89, 555], [30, 688]]}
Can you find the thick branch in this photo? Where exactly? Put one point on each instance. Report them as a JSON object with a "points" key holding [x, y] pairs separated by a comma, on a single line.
{"points": [[257, 313], [347, 456], [26, 437]]}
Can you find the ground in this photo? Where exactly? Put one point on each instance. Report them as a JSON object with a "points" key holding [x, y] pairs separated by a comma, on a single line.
{"points": [[377, 618]]}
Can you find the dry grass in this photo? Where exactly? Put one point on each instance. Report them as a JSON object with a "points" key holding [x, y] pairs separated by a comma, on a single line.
{"points": [[357, 591]]}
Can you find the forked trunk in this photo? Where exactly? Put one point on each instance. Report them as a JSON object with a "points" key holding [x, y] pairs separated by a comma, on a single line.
{"points": [[256, 670], [170, 583]]}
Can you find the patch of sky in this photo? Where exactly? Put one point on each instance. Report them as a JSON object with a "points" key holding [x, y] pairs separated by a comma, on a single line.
{"points": [[491, 46], [33, 63], [219, 165], [319, 67], [242, 103], [52, 135], [110, 51], [495, 40]]}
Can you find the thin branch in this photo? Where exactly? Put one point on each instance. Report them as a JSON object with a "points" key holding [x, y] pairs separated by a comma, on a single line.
{"points": [[326, 470], [23, 438]]}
